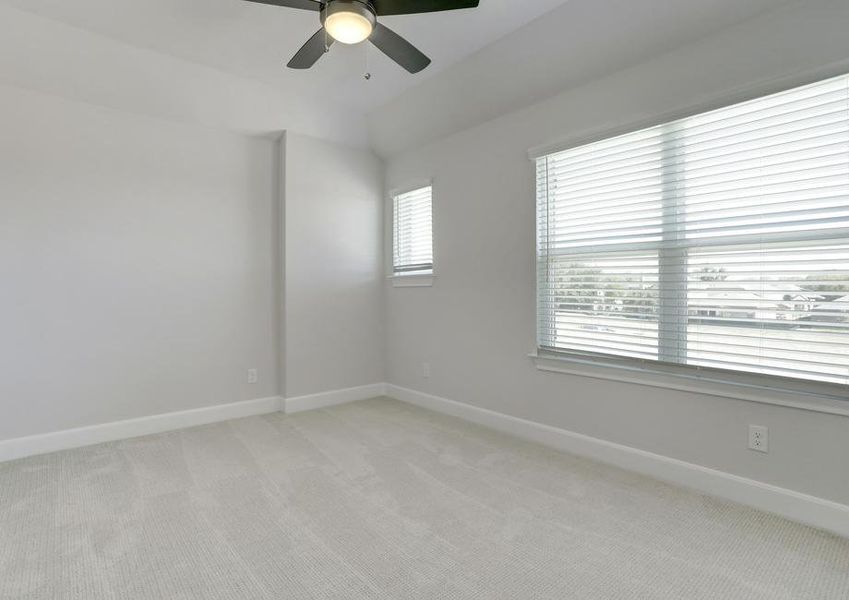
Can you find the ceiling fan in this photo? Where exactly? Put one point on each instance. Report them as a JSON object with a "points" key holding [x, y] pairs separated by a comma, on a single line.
{"points": [[354, 21]]}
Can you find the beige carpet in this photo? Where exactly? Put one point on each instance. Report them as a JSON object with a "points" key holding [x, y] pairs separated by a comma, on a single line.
{"points": [[381, 500]]}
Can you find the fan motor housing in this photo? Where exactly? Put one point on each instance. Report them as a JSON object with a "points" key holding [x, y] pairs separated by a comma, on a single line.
{"points": [[352, 6]]}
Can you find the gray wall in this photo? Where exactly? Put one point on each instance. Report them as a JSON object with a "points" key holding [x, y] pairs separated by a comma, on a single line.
{"points": [[144, 266], [333, 294], [475, 326], [136, 271]]}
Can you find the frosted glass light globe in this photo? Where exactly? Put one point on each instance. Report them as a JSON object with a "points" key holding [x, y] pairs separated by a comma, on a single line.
{"points": [[348, 27]]}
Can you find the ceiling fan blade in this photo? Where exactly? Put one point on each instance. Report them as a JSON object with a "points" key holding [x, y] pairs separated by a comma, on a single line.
{"points": [[398, 49], [311, 51], [302, 4], [409, 7]]}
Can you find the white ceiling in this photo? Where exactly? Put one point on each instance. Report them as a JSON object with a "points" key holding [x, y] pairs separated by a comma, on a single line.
{"points": [[574, 44], [221, 63], [255, 41]]}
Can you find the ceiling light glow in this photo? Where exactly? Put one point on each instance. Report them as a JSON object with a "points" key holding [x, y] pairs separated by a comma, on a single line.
{"points": [[348, 27]]}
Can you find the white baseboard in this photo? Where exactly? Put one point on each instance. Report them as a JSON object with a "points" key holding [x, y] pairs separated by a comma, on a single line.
{"points": [[810, 510], [109, 432], [118, 430], [334, 397], [796, 506]]}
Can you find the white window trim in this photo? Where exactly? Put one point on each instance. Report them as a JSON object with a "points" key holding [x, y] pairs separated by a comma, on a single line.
{"points": [[724, 385], [412, 280], [407, 280]]}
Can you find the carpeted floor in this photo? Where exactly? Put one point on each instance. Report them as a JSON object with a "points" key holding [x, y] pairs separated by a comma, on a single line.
{"points": [[381, 500]]}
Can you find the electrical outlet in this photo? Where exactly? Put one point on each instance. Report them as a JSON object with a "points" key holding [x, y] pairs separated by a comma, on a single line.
{"points": [[425, 370], [253, 376], [758, 438]]}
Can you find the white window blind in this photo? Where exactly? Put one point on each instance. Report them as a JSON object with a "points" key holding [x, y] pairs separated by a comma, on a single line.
{"points": [[412, 232], [719, 241]]}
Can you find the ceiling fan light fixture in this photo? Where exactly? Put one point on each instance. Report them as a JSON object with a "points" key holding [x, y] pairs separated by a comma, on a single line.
{"points": [[348, 21], [354, 21]]}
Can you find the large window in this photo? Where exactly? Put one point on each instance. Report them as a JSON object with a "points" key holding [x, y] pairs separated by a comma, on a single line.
{"points": [[718, 241], [412, 237]]}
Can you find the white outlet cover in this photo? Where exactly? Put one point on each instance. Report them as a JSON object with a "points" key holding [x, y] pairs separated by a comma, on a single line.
{"points": [[253, 376], [758, 438]]}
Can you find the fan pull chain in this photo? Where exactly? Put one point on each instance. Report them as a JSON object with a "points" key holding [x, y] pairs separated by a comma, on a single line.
{"points": [[367, 74]]}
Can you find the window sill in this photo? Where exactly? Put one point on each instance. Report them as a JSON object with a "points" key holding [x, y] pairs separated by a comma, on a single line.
{"points": [[423, 280], [640, 375]]}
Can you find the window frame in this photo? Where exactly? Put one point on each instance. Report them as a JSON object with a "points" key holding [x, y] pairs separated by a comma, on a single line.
{"points": [[801, 393], [409, 278], [814, 396]]}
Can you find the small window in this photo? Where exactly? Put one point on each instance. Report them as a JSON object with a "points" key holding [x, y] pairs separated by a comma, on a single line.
{"points": [[412, 233]]}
